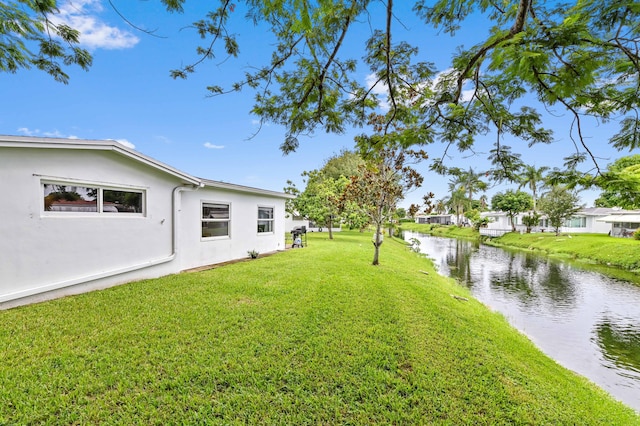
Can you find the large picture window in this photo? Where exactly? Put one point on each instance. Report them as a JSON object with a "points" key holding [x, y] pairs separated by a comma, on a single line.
{"points": [[61, 197], [265, 219], [215, 220], [576, 222]]}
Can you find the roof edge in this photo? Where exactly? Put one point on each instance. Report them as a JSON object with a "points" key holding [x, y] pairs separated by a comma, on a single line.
{"points": [[247, 189], [104, 145]]}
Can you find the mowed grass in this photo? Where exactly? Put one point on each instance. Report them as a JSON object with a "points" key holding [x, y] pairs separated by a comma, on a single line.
{"points": [[450, 231], [623, 253], [309, 336]]}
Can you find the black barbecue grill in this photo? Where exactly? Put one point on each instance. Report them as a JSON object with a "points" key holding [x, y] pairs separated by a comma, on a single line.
{"points": [[298, 232]]}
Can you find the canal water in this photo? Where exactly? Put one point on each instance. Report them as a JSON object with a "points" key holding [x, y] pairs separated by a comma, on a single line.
{"points": [[587, 321]]}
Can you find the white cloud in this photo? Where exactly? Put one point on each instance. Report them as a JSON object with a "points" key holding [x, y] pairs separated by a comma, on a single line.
{"points": [[50, 134], [449, 74], [125, 143], [83, 15], [58, 134], [212, 146], [28, 132], [379, 88]]}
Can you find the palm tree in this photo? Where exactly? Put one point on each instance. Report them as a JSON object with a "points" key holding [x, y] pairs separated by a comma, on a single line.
{"points": [[530, 178], [462, 187], [440, 206], [484, 202], [467, 181], [457, 202]]}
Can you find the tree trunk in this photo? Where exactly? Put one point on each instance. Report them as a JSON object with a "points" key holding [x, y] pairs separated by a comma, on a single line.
{"points": [[330, 228], [376, 246]]}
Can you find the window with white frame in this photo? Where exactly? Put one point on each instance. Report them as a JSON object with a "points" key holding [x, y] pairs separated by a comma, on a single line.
{"points": [[576, 222], [265, 219], [215, 220], [68, 197]]}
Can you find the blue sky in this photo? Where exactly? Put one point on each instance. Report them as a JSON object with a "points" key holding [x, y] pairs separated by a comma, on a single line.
{"points": [[128, 95]]}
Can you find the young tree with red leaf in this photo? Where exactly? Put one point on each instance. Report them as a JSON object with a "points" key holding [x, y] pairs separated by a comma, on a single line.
{"points": [[384, 180]]}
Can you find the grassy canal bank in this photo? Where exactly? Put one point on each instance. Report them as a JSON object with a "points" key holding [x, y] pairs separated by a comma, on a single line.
{"points": [[623, 253], [308, 336]]}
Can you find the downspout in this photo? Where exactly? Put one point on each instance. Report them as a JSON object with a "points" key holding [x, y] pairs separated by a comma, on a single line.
{"points": [[67, 283], [177, 204]]}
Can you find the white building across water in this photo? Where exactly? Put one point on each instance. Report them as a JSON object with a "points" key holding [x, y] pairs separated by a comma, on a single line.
{"points": [[594, 220]]}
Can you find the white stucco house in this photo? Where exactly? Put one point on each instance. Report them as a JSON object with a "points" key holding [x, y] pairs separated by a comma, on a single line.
{"points": [[622, 223], [80, 215], [587, 220]]}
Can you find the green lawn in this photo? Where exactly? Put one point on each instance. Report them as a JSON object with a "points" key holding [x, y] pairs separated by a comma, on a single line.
{"points": [[309, 336], [620, 252], [450, 231], [623, 253]]}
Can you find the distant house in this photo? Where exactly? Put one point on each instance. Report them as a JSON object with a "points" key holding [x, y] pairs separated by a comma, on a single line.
{"points": [[497, 220], [315, 227], [584, 221], [622, 223], [441, 219], [295, 220], [587, 220], [80, 215]]}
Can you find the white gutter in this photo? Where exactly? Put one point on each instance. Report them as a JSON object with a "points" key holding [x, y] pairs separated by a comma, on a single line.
{"points": [[99, 145], [87, 278], [245, 189]]}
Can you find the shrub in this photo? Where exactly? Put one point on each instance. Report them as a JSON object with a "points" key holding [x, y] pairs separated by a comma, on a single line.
{"points": [[531, 220]]}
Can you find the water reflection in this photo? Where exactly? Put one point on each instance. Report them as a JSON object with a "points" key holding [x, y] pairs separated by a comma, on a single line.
{"points": [[620, 344], [587, 321], [459, 260], [514, 281]]}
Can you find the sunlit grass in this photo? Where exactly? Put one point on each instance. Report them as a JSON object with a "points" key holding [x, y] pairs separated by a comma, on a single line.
{"points": [[620, 252], [310, 336], [451, 231]]}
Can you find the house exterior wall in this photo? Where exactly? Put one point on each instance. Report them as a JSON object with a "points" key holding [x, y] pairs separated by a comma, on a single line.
{"points": [[295, 221], [45, 254], [43, 251], [500, 221], [436, 219], [243, 235], [497, 221], [624, 229], [592, 227]]}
